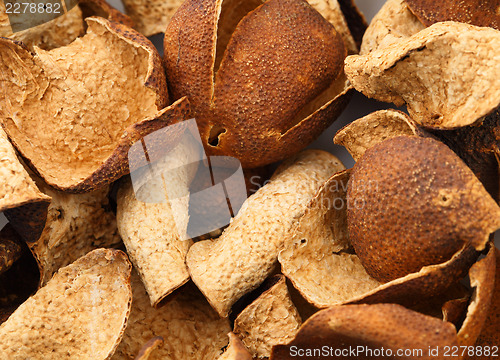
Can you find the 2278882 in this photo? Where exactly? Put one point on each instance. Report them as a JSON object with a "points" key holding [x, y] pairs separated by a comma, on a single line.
{"points": [[33, 8]]}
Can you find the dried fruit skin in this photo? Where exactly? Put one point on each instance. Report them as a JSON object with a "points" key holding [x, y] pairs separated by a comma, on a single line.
{"points": [[420, 205], [246, 253], [271, 319], [86, 303], [254, 106], [387, 326], [474, 12], [235, 350], [10, 248]]}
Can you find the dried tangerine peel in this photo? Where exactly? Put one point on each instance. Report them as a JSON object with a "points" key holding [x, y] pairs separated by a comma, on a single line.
{"points": [[58, 32], [216, 62], [440, 73], [81, 313], [420, 205], [16, 186], [313, 257], [246, 253], [392, 23], [489, 335], [191, 330], [149, 347], [315, 249], [10, 248], [151, 17], [154, 231], [271, 319], [235, 350], [75, 225], [474, 12], [482, 280], [372, 129], [90, 120], [387, 326]]}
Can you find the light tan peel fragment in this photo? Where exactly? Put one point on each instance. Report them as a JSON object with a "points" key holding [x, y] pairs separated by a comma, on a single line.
{"points": [[482, 279], [235, 350], [80, 314], [271, 319], [58, 32], [246, 253], [16, 186], [446, 74], [393, 23], [96, 97], [151, 16], [75, 225], [191, 330], [372, 129], [313, 257], [154, 232]]}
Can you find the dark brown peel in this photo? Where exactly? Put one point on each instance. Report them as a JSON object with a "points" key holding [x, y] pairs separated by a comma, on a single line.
{"points": [[10, 248], [386, 326], [89, 132], [251, 91], [421, 204], [475, 12]]}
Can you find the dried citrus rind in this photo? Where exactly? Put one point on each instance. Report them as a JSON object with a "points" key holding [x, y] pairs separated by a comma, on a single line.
{"points": [[420, 205], [246, 253], [373, 128], [319, 262], [271, 319], [81, 313], [88, 114], [482, 280], [244, 110], [151, 17], [149, 347], [19, 193], [10, 248], [387, 326], [474, 12], [489, 335], [191, 330], [392, 23], [437, 73], [235, 350], [154, 231], [75, 225], [64, 29]]}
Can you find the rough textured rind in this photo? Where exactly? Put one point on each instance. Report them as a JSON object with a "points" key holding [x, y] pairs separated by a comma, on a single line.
{"points": [[10, 248], [245, 254], [92, 124], [318, 260], [312, 256], [490, 336], [271, 319], [75, 225], [393, 22], [387, 326], [80, 314], [235, 350], [372, 129], [151, 17], [190, 328], [474, 12], [482, 279], [442, 74], [56, 33], [235, 83], [420, 205], [149, 347], [355, 20], [154, 231], [19, 191], [64, 29]]}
